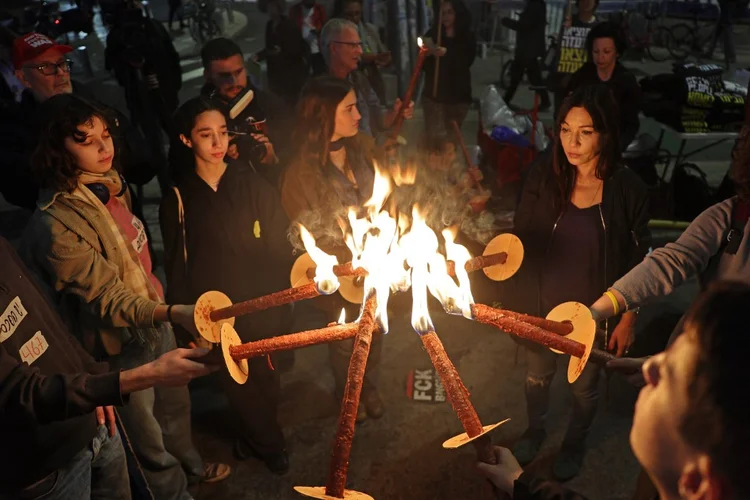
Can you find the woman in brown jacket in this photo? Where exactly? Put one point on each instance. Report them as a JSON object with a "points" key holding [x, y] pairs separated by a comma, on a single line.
{"points": [[332, 170]]}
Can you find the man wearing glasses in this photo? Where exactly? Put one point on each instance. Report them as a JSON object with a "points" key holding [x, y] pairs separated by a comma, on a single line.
{"points": [[41, 66], [342, 50]]}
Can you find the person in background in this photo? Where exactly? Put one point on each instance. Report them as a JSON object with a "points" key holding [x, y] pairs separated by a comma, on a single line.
{"points": [[571, 49], [333, 169], [604, 46], [176, 9], [375, 54], [728, 9], [583, 221], [530, 49], [689, 429], [56, 400], [84, 242], [457, 51], [286, 54], [11, 87], [310, 17], [146, 64], [224, 229], [342, 50]]}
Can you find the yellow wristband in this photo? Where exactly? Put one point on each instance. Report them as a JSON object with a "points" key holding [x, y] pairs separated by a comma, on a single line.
{"points": [[615, 304]]}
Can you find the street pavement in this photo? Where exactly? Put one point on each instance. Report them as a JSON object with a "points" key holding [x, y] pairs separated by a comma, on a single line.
{"points": [[400, 456]]}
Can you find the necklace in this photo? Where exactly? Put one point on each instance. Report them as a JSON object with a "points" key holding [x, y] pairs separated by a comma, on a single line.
{"points": [[591, 203]]}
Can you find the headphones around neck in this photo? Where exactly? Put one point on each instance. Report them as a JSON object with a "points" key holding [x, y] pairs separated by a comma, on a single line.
{"points": [[101, 190]]}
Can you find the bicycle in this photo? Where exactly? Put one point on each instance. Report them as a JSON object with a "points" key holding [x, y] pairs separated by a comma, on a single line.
{"points": [[201, 19], [696, 38], [546, 63], [641, 32]]}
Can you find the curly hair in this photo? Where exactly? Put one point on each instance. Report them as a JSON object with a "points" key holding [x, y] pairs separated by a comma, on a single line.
{"points": [[606, 30], [316, 117], [61, 117], [599, 103]]}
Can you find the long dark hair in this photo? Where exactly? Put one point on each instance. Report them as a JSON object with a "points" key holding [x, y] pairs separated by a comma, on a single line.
{"points": [[599, 103], [463, 18], [316, 116], [60, 117]]}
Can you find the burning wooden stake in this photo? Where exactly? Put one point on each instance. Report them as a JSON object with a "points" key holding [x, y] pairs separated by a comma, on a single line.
{"points": [[578, 344], [458, 396]]}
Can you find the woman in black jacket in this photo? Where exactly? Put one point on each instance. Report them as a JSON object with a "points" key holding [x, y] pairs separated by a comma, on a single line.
{"points": [[224, 229], [604, 45], [457, 52], [583, 221]]}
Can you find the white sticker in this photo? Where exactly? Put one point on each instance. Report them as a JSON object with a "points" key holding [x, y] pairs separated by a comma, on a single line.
{"points": [[140, 240], [34, 348], [11, 318]]}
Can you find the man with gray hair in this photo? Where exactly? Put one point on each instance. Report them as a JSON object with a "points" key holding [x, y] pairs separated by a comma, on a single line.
{"points": [[342, 49]]}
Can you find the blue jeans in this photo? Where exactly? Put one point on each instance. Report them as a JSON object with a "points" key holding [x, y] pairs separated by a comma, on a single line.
{"points": [[157, 424], [98, 472], [542, 365]]}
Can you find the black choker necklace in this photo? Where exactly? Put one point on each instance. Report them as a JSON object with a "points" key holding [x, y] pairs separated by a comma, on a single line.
{"points": [[336, 145]]}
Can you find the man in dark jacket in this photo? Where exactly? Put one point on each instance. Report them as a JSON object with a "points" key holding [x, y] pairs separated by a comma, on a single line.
{"points": [[147, 66], [690, 429], [57, 424], [530, 48], [44, 70]]}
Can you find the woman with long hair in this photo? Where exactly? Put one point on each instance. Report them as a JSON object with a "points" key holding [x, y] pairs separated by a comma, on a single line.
{"points": [[333, 169], [86, 244], [224, 229], [584, 223], [457, 52]]}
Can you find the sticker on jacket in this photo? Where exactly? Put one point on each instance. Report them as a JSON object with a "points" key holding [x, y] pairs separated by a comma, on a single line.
{"points": [[140, 240], [34, 348], [256, 229], [11, 318]]}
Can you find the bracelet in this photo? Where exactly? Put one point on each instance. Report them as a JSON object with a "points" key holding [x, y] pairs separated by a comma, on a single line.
{"points": [[169, 313], [615, 304]]}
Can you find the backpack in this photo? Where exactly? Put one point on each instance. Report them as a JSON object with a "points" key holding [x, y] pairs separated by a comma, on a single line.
{"points": [[691, 193]]}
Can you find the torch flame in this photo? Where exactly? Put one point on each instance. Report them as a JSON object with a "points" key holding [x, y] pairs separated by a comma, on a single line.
{"points": [[404, 176], [460, 256], [342, 317], [325, 279], [419, 42]]}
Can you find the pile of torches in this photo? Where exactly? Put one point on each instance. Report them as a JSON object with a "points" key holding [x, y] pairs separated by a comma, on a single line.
{"points": [[392, 252]]}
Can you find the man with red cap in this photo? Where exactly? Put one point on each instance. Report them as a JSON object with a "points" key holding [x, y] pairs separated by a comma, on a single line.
{"points": [[41, 65]]}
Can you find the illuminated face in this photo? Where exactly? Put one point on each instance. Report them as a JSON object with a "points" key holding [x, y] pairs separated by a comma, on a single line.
{"points": [[228, 76], [604, 53], [347, 117], [43, 86], [209, 138], [578, 138], [449, 14], [662, 402], [92, 148], [346, 50]]}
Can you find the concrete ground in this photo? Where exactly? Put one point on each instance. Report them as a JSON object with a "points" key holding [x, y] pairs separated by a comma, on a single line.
{"points": [[400, 456]]}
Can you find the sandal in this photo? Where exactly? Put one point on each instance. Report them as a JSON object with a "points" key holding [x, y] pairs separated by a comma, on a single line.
{"points": [[215, 472]]}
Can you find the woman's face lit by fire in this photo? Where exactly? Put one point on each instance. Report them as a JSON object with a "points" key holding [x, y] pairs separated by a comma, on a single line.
{"points": [[347, 117], [209, 138], [579, 139], [92, 146]]}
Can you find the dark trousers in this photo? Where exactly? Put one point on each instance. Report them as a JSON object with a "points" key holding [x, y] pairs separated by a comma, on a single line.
{"points": [[724, 32], [255, 404], [175, 9], [439, 115], [542, 365], [530, 67]]}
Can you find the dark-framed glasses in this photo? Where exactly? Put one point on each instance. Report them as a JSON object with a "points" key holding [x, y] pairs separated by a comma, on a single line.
{"points": [[51, 69], [350, 44]]}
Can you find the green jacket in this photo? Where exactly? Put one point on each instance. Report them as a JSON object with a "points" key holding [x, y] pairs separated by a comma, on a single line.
{"points": [[71, 248]]}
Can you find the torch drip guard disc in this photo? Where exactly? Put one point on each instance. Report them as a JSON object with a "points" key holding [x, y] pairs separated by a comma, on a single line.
{"points": [[513, 248], [464, 439], [352, 288], [584, 331], [298, 275], [238, 370], [320, 493], [208, 302]]}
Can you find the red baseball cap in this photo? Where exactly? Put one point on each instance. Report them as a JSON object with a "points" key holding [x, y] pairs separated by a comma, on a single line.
{"points": [[31, 45]]}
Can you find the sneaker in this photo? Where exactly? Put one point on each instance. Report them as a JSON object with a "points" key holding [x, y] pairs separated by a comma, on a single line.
{"points": [[374, 404], [212, 473], [528, 446], [568, 463]]}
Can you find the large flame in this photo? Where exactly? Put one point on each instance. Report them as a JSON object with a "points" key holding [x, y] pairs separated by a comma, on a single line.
{"points": [[326, 281], [460, 256]]}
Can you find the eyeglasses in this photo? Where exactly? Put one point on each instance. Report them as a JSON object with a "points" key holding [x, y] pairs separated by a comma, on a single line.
{"points": [[51, 69], [350, 44]]}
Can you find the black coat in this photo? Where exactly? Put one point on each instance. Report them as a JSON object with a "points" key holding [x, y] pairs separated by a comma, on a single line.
{"points": [[454, 73], [530, 42], [625, 213], [625, 90]]}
